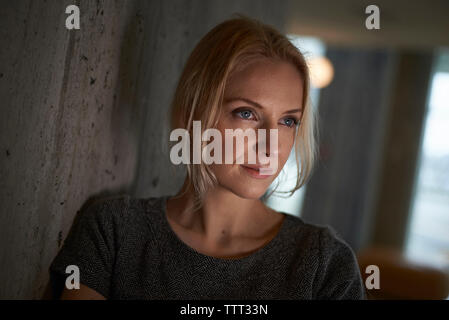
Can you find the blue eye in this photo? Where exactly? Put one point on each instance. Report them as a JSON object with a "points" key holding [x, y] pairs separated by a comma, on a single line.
{"points": [[290, 122], [245, 114]]}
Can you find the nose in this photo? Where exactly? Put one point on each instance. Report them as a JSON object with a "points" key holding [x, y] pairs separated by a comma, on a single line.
{"points": [[267, 141]]}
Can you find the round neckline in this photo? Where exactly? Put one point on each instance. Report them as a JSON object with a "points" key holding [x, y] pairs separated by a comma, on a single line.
{"points": [[254, 255]]}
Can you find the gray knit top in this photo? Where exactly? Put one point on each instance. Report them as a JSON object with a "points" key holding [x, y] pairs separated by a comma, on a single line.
{"points": [[125, 248]]}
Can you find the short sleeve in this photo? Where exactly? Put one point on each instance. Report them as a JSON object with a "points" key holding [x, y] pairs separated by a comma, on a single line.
{"points": [[339, 275], [89, 246]]}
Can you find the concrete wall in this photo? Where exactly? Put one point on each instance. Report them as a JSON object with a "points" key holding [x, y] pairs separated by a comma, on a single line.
{"points": [[83, 113]]}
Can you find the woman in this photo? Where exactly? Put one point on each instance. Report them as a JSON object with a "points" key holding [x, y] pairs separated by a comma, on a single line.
{"points": [[216, 239]]}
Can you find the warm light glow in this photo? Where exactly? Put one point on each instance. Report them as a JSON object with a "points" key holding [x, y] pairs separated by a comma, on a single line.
{"points": [[321, 72]]}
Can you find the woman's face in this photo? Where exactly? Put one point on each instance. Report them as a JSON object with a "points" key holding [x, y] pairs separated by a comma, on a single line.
{"points": [[265, 94]]}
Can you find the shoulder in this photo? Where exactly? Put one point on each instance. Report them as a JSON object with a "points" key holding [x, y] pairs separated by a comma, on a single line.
{"points": [[330, 247], [337, 275], [105, 205], [105, 230], [154, 204], [121, 207], [97, 217], [113, 216], [303, 235], [336, 255], [324, 238], [103, 210]]}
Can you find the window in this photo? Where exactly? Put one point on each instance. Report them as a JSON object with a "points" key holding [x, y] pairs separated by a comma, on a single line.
{"points": [[428, 233]]}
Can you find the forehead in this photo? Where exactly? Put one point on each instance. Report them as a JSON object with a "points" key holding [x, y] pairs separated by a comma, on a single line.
{"points": [[272, 83]]}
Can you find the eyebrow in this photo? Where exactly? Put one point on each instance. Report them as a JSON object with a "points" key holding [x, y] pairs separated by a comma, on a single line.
{"points": [[257, 104]]}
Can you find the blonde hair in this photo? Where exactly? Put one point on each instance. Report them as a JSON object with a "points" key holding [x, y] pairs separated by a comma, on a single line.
{"points": [[200, 91]]}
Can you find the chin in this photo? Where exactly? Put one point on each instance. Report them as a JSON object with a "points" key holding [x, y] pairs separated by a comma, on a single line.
{"points": [[242, 183], [246, 187], [250, 194]]}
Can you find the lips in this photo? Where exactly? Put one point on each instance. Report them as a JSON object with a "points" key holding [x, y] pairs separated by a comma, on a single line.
{"points": [[254, 171], [253, 166]]}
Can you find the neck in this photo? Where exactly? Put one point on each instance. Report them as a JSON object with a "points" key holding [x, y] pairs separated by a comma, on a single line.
{"points": [[223, 215]]}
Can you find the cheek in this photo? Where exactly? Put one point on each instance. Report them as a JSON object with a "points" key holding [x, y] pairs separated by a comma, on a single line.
{"points": [[226, 121], [285, 143], [232, 124]]}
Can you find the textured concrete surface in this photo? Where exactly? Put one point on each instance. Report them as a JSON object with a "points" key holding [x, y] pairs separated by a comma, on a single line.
{"points": [[83, 113], [69, 127]]}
